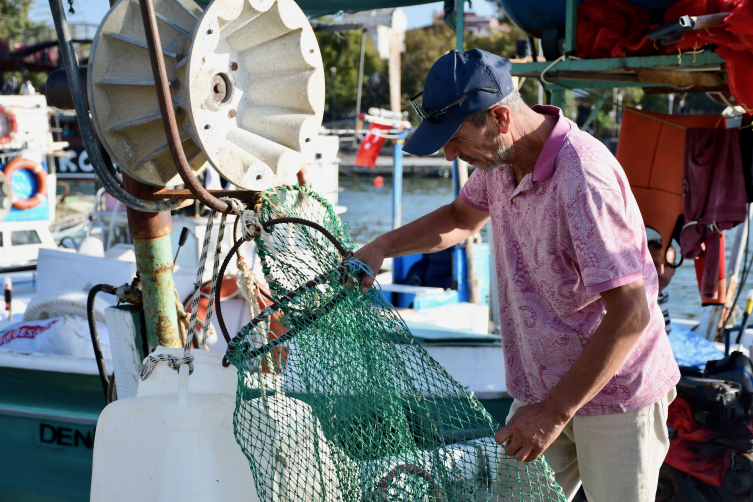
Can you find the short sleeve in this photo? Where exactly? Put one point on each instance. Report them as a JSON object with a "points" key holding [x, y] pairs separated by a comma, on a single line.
{"points": [[474, 192], [606, 239]]}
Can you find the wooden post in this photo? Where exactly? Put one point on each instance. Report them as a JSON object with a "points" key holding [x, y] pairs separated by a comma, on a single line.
{"points": [[394, 70]]}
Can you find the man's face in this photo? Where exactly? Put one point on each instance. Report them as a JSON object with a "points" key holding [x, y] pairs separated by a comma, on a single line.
{"points": [[664, 272], [483, 147]]}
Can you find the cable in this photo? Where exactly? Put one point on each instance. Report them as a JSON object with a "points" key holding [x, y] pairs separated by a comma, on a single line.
{"points": [[84, 122], [90, 316]]}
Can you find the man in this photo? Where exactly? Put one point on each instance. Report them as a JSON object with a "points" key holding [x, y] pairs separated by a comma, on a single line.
{"points": [[586, 357], [665, 273]]}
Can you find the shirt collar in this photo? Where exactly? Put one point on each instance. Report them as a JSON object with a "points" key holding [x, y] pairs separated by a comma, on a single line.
{"points": [[544, 167]]}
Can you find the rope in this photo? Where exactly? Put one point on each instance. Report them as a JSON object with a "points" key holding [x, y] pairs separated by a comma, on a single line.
{"points": [[173, 362], [176, 362]]}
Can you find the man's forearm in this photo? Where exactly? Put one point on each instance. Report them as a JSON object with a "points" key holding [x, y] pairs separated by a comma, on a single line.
{"points": [[433, 232]]}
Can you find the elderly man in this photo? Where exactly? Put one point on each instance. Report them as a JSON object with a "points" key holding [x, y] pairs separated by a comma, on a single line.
{"points": [[586, 356]]}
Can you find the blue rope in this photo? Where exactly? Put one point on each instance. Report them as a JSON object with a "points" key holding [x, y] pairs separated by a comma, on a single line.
{"points": [[356, 267]]}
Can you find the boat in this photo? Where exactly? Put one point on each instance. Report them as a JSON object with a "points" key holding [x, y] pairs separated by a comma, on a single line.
{"points": [[52, 403]]}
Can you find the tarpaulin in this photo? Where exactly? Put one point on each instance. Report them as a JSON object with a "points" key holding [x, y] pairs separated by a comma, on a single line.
{"points": [[651, 150]]}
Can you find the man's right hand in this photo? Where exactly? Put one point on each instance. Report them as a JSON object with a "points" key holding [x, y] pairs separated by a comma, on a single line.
{"points": [[371, 254], [434, 232]]}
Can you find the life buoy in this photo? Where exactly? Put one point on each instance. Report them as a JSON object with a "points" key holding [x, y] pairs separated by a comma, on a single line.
{"points": [[39, 173], [12, 126]]}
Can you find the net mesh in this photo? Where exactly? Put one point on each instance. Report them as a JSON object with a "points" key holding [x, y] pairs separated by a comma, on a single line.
{"points": [[337, 401]]}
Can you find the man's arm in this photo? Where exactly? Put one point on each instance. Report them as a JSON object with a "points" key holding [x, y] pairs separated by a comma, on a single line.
{"points": [[535, 426], [434, 232]]}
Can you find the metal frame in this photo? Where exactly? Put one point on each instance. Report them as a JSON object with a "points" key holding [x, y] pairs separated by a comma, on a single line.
{"points": [[573, 73]]}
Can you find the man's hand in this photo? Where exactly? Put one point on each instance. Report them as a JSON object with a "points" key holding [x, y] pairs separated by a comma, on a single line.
{"points": [[372, 255], [535, 426], [434, 232], [531, 430]]}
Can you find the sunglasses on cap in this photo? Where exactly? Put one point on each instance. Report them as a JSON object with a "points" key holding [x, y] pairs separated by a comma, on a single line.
{"points": [[432, 116]]}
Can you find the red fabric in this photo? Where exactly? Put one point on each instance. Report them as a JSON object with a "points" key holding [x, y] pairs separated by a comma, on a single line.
{"points": [[694, 451], [371, 146], [617, 28], [714, 197], [721, 292], [612, 28]]}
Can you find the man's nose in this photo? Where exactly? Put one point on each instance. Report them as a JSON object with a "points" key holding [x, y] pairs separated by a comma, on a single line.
{"points": [[450, 152]]}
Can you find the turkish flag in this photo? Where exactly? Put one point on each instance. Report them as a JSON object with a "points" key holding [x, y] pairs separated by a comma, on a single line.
{"points": [[371, 146]]}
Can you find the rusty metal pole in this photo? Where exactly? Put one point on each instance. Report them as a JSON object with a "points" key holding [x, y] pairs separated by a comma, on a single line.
{"points": [[154, 261]]}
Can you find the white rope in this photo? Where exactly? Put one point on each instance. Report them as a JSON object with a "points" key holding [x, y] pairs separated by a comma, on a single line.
{"points": [[175, 362]]}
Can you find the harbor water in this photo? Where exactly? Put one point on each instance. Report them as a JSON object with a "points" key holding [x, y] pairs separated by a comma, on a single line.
{"points": [[370, 215]]}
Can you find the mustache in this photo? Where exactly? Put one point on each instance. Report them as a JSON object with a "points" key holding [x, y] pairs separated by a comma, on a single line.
{"points": [[471, 160]]}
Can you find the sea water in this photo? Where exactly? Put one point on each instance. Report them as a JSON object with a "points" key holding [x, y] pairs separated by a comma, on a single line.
{"points": [[369, 215]]}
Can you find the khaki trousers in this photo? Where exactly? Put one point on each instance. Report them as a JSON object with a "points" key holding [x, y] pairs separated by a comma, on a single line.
{"points": [[616, 457]]}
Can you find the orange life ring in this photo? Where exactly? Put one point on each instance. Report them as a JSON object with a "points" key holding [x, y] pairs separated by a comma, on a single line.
{"points": [[12, 126], [39, 173]]}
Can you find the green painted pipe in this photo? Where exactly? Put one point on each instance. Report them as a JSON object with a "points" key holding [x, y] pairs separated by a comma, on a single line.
{"points": [[154, 261]]}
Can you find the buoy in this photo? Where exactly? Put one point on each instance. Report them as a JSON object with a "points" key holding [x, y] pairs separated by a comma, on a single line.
{"points": [[379, 182], [39, 173]]}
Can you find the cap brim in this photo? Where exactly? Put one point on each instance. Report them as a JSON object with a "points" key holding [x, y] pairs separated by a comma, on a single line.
{"points": [[429, 138]]}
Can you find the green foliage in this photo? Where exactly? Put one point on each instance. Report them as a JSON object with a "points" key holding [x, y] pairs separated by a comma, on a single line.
{"points": [[342, 50], [423, 46], [14, 17]]}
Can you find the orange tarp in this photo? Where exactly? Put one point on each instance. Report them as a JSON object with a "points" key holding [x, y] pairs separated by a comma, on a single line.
{"points": [[651, 150]]}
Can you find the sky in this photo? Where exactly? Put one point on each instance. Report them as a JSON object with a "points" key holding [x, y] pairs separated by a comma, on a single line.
{"points": [[92, 11]]}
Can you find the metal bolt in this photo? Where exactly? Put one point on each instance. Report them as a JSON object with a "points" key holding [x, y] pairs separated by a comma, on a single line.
{"points": [[308, 140], [219, 88], [209, 32], [233, 66], [206, 126], [231, 114], [258, 177], [311, 51]]}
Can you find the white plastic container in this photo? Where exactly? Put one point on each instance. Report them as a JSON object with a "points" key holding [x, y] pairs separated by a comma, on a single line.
{"points": [[171, 445]]}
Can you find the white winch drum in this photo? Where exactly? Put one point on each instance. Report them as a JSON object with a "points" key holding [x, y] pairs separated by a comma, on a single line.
{"points": [[247, 83]]}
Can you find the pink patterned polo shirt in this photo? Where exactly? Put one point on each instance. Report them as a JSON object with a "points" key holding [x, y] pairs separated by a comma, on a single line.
{"points": [[568, 231]]}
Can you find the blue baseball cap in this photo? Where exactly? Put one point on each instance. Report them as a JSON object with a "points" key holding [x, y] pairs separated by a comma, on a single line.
{"points": [[458, 84]]}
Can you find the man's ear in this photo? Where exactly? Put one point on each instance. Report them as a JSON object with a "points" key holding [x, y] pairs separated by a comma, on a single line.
{"points": [[501, 115]]}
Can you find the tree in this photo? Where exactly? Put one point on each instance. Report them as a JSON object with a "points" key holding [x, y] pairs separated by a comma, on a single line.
{"points": [[423, 46], [342, 50], [14, 17]]}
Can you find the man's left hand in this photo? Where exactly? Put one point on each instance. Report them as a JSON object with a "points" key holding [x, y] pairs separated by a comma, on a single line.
{"points": [[531, 430]]}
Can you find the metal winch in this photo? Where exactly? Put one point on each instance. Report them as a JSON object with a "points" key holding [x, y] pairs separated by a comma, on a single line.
{"points": [[246, 82]]}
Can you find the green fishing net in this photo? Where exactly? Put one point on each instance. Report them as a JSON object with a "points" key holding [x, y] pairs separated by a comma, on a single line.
{"points": [[337, 401]]}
